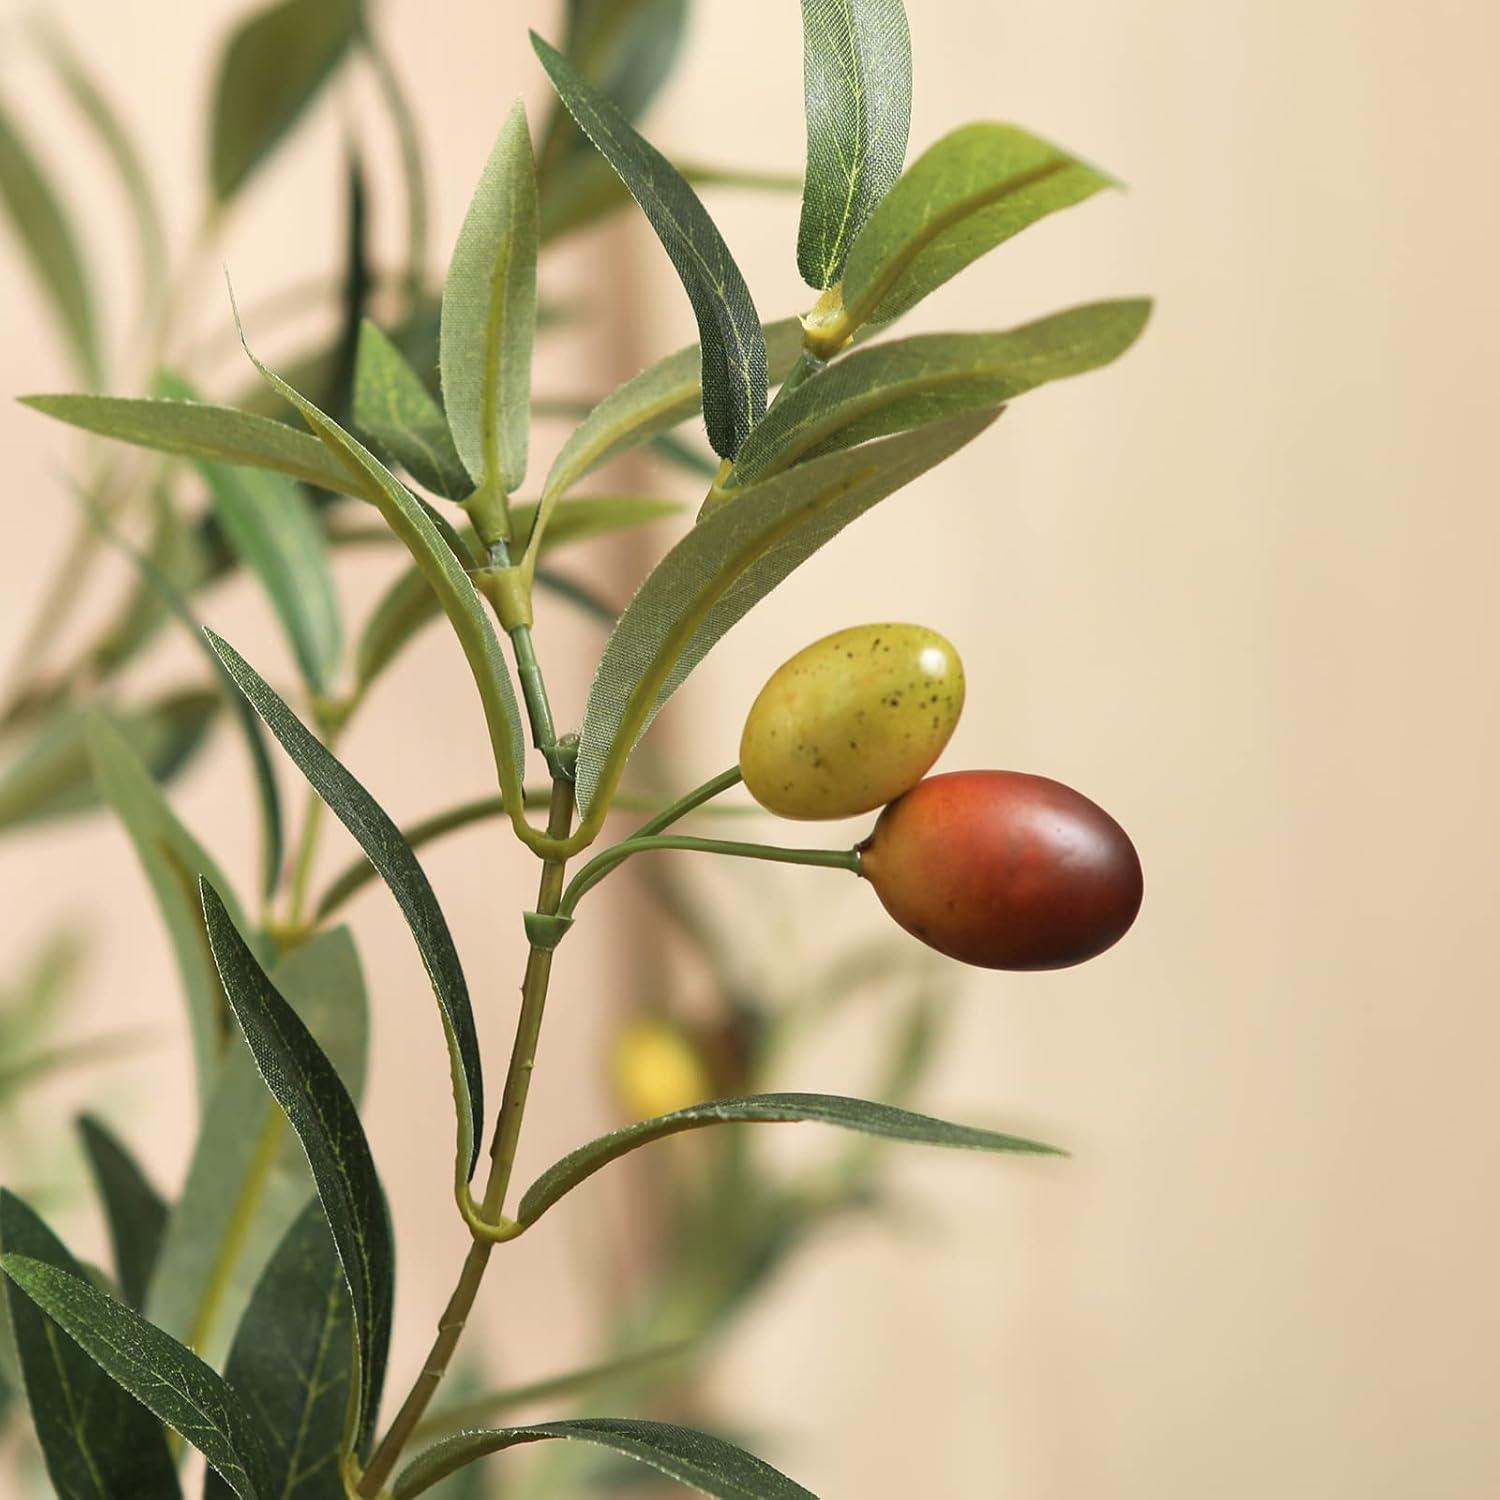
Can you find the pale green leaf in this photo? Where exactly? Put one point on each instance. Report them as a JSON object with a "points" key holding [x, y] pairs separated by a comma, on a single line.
{"points": [[393, 408]]}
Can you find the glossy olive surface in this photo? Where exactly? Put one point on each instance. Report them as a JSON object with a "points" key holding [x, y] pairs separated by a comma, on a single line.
{"points": [[1004, 870], [656, 1068], [852, 721]]}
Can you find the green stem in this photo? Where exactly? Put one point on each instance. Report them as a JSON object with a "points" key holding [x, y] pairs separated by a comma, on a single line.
{"points": [[307, 850], [502, 1160], [689, 803], [601, 864]]}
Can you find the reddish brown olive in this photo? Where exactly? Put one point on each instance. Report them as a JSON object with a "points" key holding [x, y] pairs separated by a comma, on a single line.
{"points": [[1004, 870]]}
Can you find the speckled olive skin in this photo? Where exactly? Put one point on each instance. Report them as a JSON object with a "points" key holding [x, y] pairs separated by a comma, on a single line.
{"points": [[852, 721], [1004, 870]]}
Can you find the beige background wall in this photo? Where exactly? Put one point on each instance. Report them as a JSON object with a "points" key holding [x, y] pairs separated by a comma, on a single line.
{"points": [[1239, 589]]}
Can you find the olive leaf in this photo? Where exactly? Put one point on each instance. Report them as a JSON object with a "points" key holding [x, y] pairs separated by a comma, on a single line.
{"points": [[168, 1379], [730, 561], [96, 1439], [857, 88], [272, 68], [248, 1179], [963, 196], [307, 1086], [134, 1211], [697, 1459], [191, 429], [292, 1361], [393, 408], [489, 315], [381, 840], [51, 245], [734, 350], [910, 382]]}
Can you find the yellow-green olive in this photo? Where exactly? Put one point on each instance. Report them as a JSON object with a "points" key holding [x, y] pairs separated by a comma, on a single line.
{"points": [[852, 721]]}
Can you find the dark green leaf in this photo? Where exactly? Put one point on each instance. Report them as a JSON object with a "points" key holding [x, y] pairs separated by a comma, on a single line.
{"points": [[219, 434], [273, 66], [704, 1463], [489, 315], [307, 1086], [863, 1115], [292, 1361], [729, 561], [734, 350], [106, 124], [99, 1443], [51, 777], [134, 1211], [173, 860], [393, 409], [248, 1178], [972, 191], [857, 85], [48, 239], [892, 387], [160, 1373], [381, 840]]}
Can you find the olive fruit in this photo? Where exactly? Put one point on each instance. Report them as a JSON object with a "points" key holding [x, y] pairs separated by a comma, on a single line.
{"points": [[656, 1068], [1004, 870], [851, 721]]}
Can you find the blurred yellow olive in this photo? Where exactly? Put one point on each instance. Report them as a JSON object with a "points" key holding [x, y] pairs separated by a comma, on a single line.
{"points": [[852, 721], [656, 1068]]}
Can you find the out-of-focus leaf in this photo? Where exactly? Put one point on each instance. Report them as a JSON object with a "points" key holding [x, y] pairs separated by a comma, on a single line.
{"points": [[857, 87], [272, 68], [96, 1439], [381, 840], [134, 1211], [248, 1178], [863, 1115], [48, 239], [307, 1086], [173, 860], [106, 124], [293, 1362], [489, 315], [393, 409], [704, 1463], [911, 382], [191, 429], [971, 191], [164, 1376], [729, 331], [51, 777], [730, 561]]}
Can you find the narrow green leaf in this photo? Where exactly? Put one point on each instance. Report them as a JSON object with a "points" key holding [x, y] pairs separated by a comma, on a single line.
{"points": [[173, 860], [219, 434], [489, 315], [734, 350], [134, 1211], [393, 409], [275, 532], [51, 777], [409, 603], [857, 87], [160, 1373], [106, 124], [668, 392], [381, 840], [971, 191], [707, 1464], [730, 561], [293, 1362], [273, 66], [248, 1178], [307, 1086], [863, 1115], [910, 382], [98, 1442], [50, 244]]}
